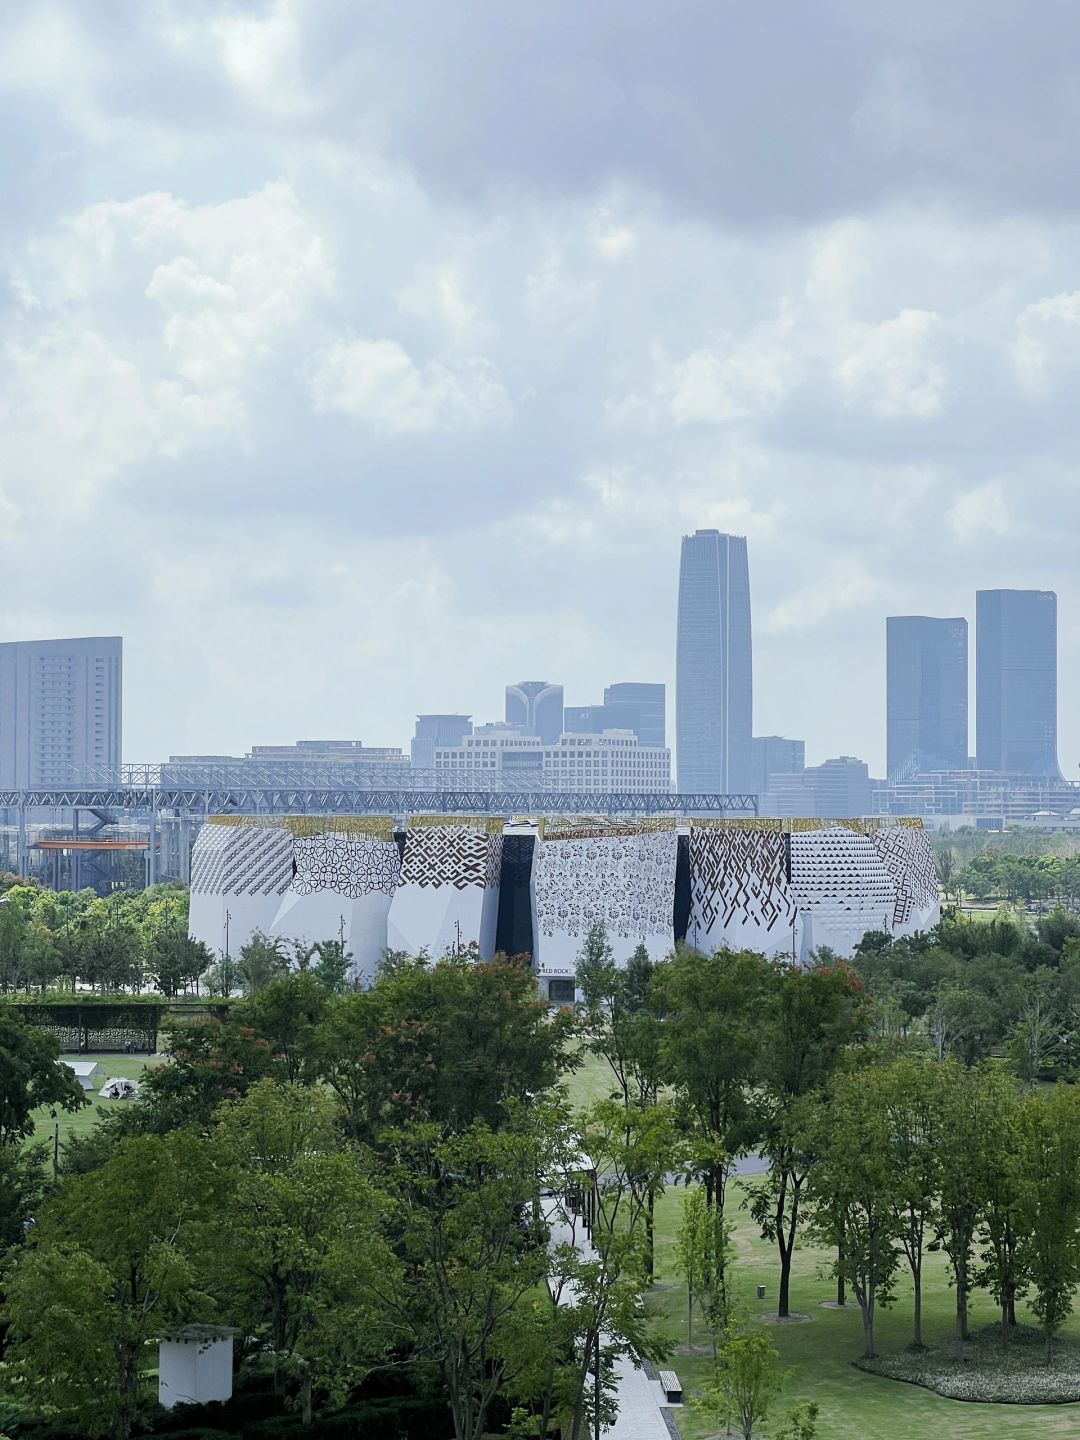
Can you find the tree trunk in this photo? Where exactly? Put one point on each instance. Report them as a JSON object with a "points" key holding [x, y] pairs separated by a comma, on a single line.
{"points": [[868, 1330], [650, 1243], [305, 1400], [961, 1307], [841, 1293], [916, 1276]]}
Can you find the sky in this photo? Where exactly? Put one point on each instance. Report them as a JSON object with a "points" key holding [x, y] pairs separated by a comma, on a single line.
{"points": [[358, 359]]}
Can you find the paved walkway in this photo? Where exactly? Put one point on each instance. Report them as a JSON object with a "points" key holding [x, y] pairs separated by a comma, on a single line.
{"points": [[639, 1398]]}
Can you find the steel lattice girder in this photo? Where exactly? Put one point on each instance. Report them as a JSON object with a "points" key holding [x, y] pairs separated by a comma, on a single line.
{"points": [[338, 800]]}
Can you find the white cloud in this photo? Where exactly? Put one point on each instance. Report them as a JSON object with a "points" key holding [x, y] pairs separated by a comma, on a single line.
{"points": [[377, 382], [982, 512], [892, 371], [847, 587], [1047, 335]]}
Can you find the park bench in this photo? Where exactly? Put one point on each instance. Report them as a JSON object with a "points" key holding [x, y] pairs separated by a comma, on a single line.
{"points": [[671, 1386]]}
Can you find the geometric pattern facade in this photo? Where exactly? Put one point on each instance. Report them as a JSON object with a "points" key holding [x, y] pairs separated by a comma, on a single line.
{"points": [[448, 895], [298, 878], [620, 874], [740, 895], [788, 888], [784, 888], [238, 876]]}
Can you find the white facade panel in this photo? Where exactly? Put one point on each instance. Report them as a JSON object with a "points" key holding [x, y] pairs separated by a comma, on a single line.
{"points": [[344, 883], [238, 875], [448, 895], [623, 876]]}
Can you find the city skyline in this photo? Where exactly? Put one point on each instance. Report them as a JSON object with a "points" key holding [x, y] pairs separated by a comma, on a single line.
{"points": [[339, 365]]}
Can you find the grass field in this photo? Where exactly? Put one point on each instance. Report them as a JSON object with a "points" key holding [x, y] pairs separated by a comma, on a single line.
{"points": [[130, 1067], [853, 1405]]}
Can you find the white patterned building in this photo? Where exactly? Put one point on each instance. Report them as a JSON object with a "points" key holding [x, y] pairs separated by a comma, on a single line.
{"points": [[787, 888], [584, 871], [448, 892]]}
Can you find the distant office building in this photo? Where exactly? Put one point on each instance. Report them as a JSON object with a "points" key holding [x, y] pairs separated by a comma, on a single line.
{"points": [[774, 755], [340, 752], [926, 695], [60, 709], [537, 708], [433, 730], [639, 707], [585, 719], [713, 665], [1016, 681], [838, 789], [598, 763]]}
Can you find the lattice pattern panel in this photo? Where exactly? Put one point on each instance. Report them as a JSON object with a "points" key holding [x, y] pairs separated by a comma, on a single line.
{"points": [[738, 876], [242, 861], [626, 881], [349, 865], [908, 856], [455, 855]]}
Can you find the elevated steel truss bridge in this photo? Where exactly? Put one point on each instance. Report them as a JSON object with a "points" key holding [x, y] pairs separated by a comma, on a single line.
{"points": [[183, 806]]}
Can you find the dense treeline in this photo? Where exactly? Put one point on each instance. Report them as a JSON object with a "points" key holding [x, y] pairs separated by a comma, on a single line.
{"points": [[128, 942], [1020, 864], [390, 1182], [972, 989]]}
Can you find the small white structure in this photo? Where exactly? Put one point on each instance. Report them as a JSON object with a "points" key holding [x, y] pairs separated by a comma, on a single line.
{"points": [[85, 1070], [195, 1365], [119, 1087]]}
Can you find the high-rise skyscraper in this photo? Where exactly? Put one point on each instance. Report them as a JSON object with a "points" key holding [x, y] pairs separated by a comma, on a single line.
{"points": [[60, 709], [713, 665], [537, 707], [1016, 681], [926, 695], [630, 705]]}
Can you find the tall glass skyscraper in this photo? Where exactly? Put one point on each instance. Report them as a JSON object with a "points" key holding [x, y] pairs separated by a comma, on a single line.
{"points": [[713, 665], [1016, 681], [926, 695]]}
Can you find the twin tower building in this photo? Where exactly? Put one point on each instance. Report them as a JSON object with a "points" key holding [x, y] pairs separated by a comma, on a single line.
{"points": [[927, 679]]}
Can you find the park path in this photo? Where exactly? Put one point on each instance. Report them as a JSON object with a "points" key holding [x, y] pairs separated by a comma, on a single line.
{"points": [[640, 1415]]}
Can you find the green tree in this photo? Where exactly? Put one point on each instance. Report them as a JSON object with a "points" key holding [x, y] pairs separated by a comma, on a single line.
{"points": [[299, 1268], [452, 1043], [470, 1260], [909, 1095], [112, 1263], [285, 1013], [261, 961], [851, 1190], [819, 1013], [1051, 1208], [1002, 1183], [697, 1239], [207, 1065], [718, 1011], [970, 1101], [744, 1382], [175, 960], [31, 1075]]}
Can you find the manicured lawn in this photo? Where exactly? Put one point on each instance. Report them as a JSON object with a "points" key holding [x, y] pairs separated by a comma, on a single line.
{"points": [[130, 1067], [853, 1405]]}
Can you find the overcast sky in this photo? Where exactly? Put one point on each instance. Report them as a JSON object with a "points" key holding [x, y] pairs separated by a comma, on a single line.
{"points": [[357, 359]]}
